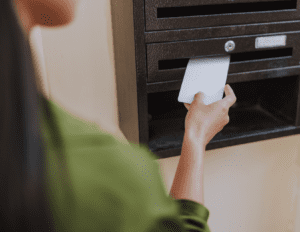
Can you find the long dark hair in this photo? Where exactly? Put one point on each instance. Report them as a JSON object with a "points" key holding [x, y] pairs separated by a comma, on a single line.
{"points": [[23, 199]]}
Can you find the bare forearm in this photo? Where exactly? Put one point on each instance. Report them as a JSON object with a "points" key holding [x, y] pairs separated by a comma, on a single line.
{"points": [[188, 180]]}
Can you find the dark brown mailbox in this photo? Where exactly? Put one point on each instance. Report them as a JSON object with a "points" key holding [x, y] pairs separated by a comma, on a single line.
{"points": [[167, 61], [265, 78], [166, 15]]}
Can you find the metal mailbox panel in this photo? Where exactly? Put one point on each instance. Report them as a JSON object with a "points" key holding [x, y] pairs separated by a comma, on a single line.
{"points": [[180, 14], [168, 61]]}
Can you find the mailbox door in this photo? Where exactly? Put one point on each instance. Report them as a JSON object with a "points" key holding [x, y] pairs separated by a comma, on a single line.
{"points": [[180, 14], [168, 61]]}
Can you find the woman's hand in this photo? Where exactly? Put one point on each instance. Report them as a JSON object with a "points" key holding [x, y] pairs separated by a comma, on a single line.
{"points": [[202, 121]]}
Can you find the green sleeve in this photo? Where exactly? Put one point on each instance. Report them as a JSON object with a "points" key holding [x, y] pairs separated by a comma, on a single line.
{"points": [[115, 187]]}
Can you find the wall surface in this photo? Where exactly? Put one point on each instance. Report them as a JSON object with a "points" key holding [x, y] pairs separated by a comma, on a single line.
{"points": [[79, 65], [250, 187]]}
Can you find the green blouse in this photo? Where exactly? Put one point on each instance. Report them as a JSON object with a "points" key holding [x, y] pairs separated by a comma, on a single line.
{"points": [[110, 186]]}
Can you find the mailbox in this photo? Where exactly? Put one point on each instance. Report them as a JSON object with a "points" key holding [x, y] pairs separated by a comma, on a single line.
{"points": [[167, 61], [170, 15], [263, 107], [263, 41]]}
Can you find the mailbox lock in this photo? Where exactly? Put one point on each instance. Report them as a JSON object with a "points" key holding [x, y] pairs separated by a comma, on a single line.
{"points": [[229, 46]]}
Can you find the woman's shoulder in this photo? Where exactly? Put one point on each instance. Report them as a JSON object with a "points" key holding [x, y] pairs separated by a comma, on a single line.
{"points": [[68, 122], [73, 127], [86, 138], [116, 180]]}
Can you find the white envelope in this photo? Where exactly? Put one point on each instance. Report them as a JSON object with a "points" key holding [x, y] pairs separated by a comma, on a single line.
{"points": [[208, 75]]}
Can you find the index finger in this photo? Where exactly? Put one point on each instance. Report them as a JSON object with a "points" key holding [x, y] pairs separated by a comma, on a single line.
{"points": [[230, 97]]}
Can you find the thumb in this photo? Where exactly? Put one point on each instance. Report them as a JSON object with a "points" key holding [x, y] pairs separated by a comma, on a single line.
{"points": [[199, 97]]}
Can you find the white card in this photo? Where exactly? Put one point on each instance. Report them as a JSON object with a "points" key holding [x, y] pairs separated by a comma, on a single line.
{"points": [[208, 75]]}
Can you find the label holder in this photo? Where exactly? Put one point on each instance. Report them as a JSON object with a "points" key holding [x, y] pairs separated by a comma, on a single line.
{"points": [[270, 41]]}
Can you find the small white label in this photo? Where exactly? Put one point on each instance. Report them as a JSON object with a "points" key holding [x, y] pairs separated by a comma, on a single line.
{"points": [[270, 41]]}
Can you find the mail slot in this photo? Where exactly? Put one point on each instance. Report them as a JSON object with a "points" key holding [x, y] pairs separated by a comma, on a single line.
{"points": [[168, 61], [180, 14], [262, 106]]}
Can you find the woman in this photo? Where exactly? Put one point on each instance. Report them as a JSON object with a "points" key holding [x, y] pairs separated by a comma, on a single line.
{"points": [[59, 173]]}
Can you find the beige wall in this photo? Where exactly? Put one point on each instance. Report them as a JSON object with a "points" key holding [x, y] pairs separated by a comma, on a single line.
{"points": [[79, 75], [251, 187]]}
